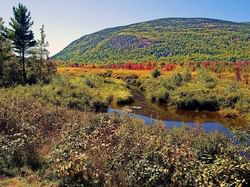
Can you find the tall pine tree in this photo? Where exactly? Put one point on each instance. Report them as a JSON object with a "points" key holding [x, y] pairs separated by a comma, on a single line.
{"points": [[21, 34]]}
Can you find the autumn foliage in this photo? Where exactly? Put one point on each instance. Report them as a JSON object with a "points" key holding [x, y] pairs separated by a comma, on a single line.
{"points": [[242, 71]]}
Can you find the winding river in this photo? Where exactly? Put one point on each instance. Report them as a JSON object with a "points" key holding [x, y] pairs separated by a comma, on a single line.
{"points": [[150, 113]]}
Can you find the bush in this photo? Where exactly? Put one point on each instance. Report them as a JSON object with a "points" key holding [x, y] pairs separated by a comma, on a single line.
{"points": [[11, 73], [176, 80], [89, 83], [107, 74], [117, 151], [18, 137], [195, 97], [156, 73], [27, 123], [206, 77], [124, 100], [160, 97]]}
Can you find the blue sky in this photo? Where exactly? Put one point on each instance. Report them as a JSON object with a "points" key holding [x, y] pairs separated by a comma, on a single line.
{"points": [[67, 20]]}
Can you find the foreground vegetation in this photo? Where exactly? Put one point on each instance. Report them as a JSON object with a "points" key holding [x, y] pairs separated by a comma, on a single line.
{"points": [[56, 145]]}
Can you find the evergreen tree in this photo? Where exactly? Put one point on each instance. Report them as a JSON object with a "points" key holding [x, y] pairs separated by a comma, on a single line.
{"points": [[21, 34], [4, 49]]}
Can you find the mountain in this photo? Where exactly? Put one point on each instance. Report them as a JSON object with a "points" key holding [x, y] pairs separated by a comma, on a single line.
{"points": [[169, 39]]}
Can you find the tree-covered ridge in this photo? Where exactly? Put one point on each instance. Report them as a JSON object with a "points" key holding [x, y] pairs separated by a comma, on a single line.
{"points": [[171, 39]]}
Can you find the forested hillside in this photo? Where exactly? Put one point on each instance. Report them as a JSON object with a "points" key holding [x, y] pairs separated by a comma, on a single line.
{"points": [[170, 39]]}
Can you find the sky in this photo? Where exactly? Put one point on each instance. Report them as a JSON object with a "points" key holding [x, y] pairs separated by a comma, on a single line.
{"points": [[67, 20]]}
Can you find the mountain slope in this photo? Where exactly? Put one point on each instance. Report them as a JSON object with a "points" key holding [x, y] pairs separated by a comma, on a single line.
{"points": [[170, 39]]}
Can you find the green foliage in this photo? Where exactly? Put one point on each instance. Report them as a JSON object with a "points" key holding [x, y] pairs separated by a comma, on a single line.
{"points": [[89, 93], [5, 53], [194, 97], [21, 35], [11, 73], [19, 39], [161, 96], [156, 73], [204, 92], [204, 76], [41, 68], [27, 123], [187, 75], [176, 79], [18, 133], [106, 74], [124, 100], [172, 39]]}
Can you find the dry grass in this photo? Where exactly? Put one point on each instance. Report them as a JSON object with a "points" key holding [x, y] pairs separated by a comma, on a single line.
{"points": [[126, 72], [116, 72]]}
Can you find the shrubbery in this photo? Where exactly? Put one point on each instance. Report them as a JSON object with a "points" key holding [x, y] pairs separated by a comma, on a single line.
{"points": [[117, 151], [90, 93], [194, 97], [204, 92], [26, 123]]}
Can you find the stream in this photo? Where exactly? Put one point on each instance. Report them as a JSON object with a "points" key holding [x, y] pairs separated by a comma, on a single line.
{"points": [[151, 113]]}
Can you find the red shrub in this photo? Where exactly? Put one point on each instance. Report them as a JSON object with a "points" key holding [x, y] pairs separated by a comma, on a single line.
{"points": [[169, 67]]}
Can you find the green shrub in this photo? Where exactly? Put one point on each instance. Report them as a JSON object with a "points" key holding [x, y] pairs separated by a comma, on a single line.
{"points": [[194, 97], [156, 73], [161, 96], [176, 80], [112, 149], [89, 83], [124, 100], [206, 77]]}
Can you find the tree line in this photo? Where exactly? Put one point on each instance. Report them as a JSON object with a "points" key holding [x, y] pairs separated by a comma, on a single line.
{"points": [[23, 60]]}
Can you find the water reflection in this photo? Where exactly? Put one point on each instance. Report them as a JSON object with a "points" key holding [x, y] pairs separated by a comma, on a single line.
{"points": [[207, 126]]}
